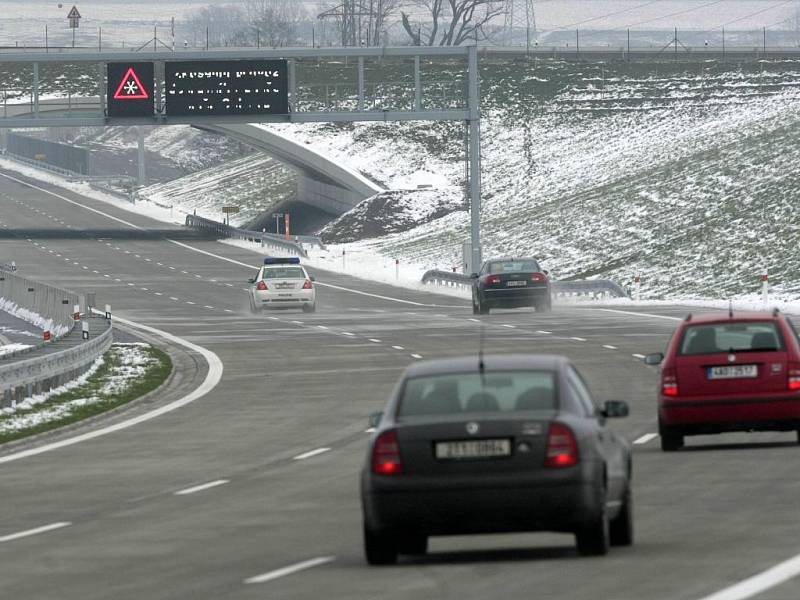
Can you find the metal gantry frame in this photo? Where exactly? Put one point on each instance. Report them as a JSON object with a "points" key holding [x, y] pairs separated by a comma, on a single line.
{"points": [[91, 111]]}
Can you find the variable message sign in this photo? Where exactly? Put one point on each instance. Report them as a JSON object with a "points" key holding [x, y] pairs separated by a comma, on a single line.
{"points": [[230, 87]]}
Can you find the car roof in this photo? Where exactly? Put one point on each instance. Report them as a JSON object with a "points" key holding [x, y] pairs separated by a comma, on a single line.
{"points": [[492, 362], [510, 259], [725, 317]]}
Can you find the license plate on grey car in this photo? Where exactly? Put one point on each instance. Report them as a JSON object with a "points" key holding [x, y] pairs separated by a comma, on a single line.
{"points": [[473, 449], [516, 283]]}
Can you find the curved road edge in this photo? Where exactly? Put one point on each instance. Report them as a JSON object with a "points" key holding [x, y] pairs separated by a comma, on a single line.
{"points": [[212, 378]]}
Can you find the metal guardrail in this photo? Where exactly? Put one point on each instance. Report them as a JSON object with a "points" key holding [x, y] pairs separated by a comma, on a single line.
{"points": [[266, 240], [588, 287], [37, 374]]}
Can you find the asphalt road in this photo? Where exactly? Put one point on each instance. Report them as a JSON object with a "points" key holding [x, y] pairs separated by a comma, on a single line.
{"points": [[267, 461]]}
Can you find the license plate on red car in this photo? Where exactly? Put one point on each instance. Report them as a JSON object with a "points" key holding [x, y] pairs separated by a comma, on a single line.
{"points": [[521, 283], [733, 372]]}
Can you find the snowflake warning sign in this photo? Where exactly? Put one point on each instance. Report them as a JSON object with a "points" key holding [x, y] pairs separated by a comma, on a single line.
{"points": [[130, 89]]}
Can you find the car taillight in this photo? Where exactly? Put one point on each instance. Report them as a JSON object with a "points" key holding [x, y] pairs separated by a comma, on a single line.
{"points": [[669, 382], [562, 447], [307, 285], [261, 286], [538, 277], [386, 455], [492, 279], [794, 377]]}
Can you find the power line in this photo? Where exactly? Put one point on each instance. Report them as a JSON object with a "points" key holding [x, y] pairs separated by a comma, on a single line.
{"points": [[758, 12]]}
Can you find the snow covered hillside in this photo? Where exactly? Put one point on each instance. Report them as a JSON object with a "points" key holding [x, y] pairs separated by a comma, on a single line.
{"points": [[685, 174]]}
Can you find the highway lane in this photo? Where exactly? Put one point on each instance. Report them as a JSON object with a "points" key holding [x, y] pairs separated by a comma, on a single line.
{"points": [[696, 511]]}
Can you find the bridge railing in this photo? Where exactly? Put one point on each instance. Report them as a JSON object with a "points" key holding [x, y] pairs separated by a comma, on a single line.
{"points": [[587, 287], [266, 240]]}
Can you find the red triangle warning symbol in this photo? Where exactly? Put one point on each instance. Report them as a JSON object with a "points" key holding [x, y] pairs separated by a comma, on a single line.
{"points": [[131, 88]]}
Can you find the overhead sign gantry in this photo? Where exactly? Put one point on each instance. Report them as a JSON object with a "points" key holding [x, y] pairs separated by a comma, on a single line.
{"points": [[286, 85]]}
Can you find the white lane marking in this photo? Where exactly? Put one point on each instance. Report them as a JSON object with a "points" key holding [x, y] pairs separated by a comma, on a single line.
{"points": [[173, 268], [645, 438], [475, 320], [543, 332], [207, 306], [107, 275], [158, 293], [757, 584], [160, 264], [321, 327], [301, 566], [144, 289], [296, 322], [189, 302], [95, 272], [509, 326], [273, 318], [213, 377], [609, 347], [347, 333], [201, 487], [374, 340], [29, 532], [311, 453], [228, 310], [229, 284], [637, 355], [173, 298], [578, 339], [639, 314], [416, 356], [398, 347]]}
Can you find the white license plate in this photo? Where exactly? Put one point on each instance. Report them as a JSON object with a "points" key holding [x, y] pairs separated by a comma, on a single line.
{"points": [[733, 372], [516, 283], [473, 449]]}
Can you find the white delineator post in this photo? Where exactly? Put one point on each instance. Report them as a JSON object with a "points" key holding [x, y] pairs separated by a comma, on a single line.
{"points": [[637, 288], [765, 286], [397, 268], [108, 312], [76, 312], [343, 253]]}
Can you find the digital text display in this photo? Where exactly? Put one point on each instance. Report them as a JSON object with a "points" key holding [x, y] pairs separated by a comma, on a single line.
{"points": [[230, 87]]}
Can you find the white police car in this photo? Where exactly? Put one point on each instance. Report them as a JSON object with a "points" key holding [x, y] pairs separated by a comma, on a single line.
{"points": [[282, 283]]}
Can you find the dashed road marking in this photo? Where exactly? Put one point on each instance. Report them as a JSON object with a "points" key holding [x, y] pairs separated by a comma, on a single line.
{"points": [[201, 487], [398, 347], [283, 572], [416, 356], [543, 332], [645, 438], [637, 355], [35, 531], [609, 347], [578, 339], [310, 453]]}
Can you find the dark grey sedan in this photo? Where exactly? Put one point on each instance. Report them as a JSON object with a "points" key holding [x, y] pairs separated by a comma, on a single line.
{"points": [[499, 444]]}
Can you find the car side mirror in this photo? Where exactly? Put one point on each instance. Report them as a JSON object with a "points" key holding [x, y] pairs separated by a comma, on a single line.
{"points": [[312, 278], [375, 418], [546, 272], [654, 359], [251, 280], [474, 276], [615, 409]]}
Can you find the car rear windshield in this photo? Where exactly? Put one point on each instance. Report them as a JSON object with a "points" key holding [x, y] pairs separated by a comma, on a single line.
{"points": [[284, 273], [516, 266], [466, 393], [754, 336]]}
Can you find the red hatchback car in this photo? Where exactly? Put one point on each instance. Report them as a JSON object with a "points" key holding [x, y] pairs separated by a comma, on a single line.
{"points": [[729, 372]]}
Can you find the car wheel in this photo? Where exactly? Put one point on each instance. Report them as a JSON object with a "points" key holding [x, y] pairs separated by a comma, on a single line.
{"points": [[621, 527], [593, 539], [309, 308], [379, 548], [253, 307], [413, 544], [483, 309], [671, 439]]}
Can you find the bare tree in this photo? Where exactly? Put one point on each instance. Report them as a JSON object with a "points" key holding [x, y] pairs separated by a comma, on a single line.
{"points": [[276, 22], [360, 21], [224, 24], [452, 22]]}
